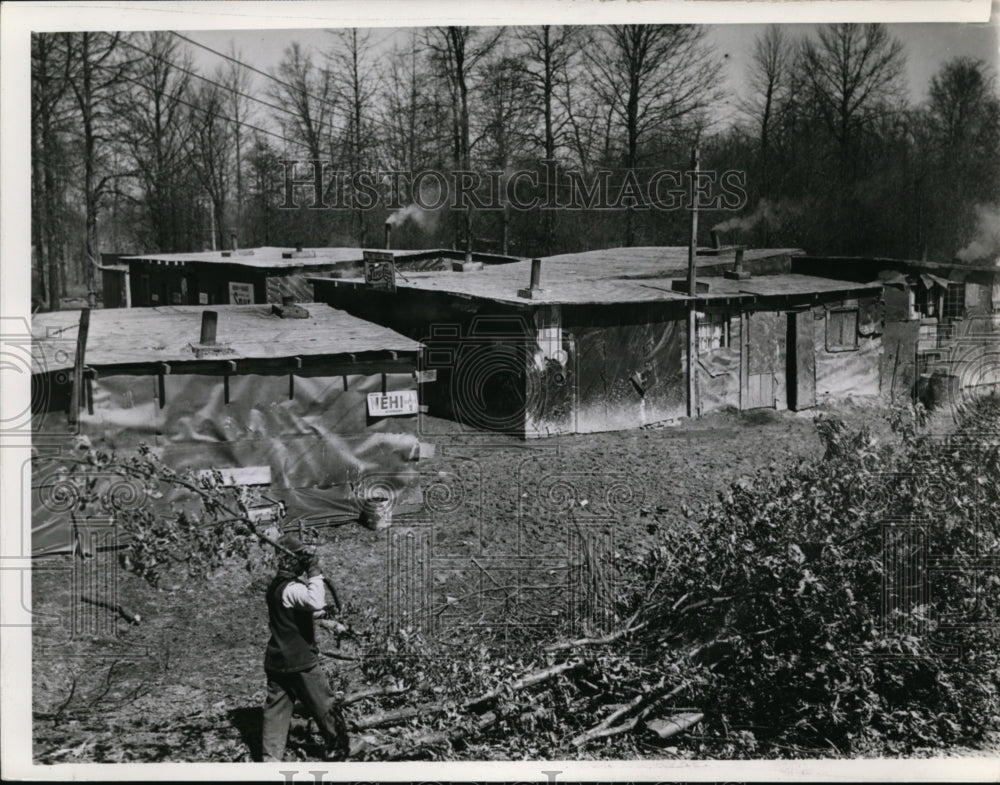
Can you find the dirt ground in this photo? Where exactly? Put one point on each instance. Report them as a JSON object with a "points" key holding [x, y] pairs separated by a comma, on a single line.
{"points": [[496, 553]]}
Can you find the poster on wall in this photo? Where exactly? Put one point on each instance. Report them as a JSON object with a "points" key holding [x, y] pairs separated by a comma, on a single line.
{"points": [[393, 404], [240, 293]]}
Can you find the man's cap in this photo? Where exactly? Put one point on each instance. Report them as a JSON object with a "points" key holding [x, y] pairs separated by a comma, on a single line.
{"points": [[292, 543]]}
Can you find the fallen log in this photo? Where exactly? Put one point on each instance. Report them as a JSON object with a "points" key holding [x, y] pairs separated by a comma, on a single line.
{"points": [[526, 681], [409, 712], [377, 692], [674, 724], [604, 728], [131, 618], [407, 749], [603, 640], [398, 715]]}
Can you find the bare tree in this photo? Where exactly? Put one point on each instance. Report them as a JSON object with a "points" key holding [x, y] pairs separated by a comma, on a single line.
{"points": [[306, 92], [94, 72], [770, 84], [211, 149], [236, 79], [49, 160], [963, 149], [852, 70], [352, 72], [963, 105], [504, 121], [652, 77], [549, 53], [457, 52], [155, 114], [407, 107]]}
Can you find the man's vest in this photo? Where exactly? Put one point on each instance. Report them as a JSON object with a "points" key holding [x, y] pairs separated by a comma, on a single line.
{"points": [[292, 646]]}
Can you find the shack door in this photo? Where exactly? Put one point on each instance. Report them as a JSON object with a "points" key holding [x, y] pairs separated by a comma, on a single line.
{"points": [[765, 359], [801, 361]]}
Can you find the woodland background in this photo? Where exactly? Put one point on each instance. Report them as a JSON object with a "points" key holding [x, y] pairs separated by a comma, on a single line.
{"points": [[136, 150]]}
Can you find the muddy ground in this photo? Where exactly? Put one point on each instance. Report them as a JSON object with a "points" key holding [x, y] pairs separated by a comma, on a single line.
{"points": [[495, 556]]}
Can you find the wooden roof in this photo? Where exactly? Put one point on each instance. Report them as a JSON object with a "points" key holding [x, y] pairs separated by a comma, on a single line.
{"points": [[616, 275], [783, 285], [272, 257], [131, 336]]}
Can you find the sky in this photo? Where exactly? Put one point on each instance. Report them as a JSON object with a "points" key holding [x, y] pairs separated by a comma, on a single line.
{"points": [[927, 46]]}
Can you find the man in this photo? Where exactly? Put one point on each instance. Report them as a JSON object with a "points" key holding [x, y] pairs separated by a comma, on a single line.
{"points": [[291, 660]]}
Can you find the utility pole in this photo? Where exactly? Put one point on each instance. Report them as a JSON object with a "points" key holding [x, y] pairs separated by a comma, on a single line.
{"points": [[692, 351]]}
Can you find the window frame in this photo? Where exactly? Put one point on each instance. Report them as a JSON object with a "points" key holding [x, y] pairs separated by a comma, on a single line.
{"points": [[718, 323], [836, 346]]}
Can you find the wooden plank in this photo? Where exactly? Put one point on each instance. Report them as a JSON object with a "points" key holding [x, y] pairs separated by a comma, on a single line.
{"points": [[77, 393]]}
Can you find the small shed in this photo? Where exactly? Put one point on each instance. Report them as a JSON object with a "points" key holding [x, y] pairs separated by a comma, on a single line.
{"points": [[293, 398], [597, 341], [942, 323], [247, 276]]}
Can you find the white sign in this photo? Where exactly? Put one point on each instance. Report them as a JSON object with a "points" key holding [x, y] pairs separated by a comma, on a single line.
{"points": [[240, 293], [392, 403], [202, 298]]}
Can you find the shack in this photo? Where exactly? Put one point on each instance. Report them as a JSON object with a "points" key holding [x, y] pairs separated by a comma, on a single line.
{"points": [[942, 323], [313, 406], [247, 276], [598, 341]]}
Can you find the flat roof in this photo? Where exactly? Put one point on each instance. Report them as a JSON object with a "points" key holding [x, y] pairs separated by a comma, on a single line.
{"points": [[654, 261], [982, 266], [267, 256], [613, 275], [783, 284], [273, 256], [129, 336]]}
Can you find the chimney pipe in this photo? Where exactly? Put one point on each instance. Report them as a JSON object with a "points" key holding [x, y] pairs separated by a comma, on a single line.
{"points": [[738, 264], [536, 273], [388, 234], [232, 238], [209, 321], [287, 299], [298, 247], [535, 290], [716, 239]]}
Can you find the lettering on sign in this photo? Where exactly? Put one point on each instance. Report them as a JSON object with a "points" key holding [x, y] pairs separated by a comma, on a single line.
{"points": [[380, 270], [393, 403], [240, 293]]}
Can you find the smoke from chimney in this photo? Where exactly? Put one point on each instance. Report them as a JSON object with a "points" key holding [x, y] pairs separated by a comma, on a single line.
{"points": [[985, 243], [776, 214], [425, 219]]}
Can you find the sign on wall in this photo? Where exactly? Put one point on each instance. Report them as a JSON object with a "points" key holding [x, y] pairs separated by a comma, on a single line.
{"points": [[380, 270], [393, 403], [240, 293], [202, 298]]}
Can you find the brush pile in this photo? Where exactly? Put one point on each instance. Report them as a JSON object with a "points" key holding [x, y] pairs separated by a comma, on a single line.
{"points": [[841, 609]]}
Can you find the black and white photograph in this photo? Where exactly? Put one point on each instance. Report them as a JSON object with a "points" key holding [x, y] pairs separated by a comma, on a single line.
{"points": [[605, 386]]}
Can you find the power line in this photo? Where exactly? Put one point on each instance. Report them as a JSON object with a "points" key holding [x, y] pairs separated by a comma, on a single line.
{"points": [[265, 74], [227, 88], [558, 185], [332, 104], [180, 100]]}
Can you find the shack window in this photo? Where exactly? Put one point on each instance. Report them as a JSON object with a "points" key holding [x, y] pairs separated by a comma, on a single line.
{"points": [[713, 331], [954, 301], [926, 300], [842, 330]]}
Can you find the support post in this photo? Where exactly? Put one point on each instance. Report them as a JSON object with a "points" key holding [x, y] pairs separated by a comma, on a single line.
{"points": [[77, 395], [692, 351]]}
